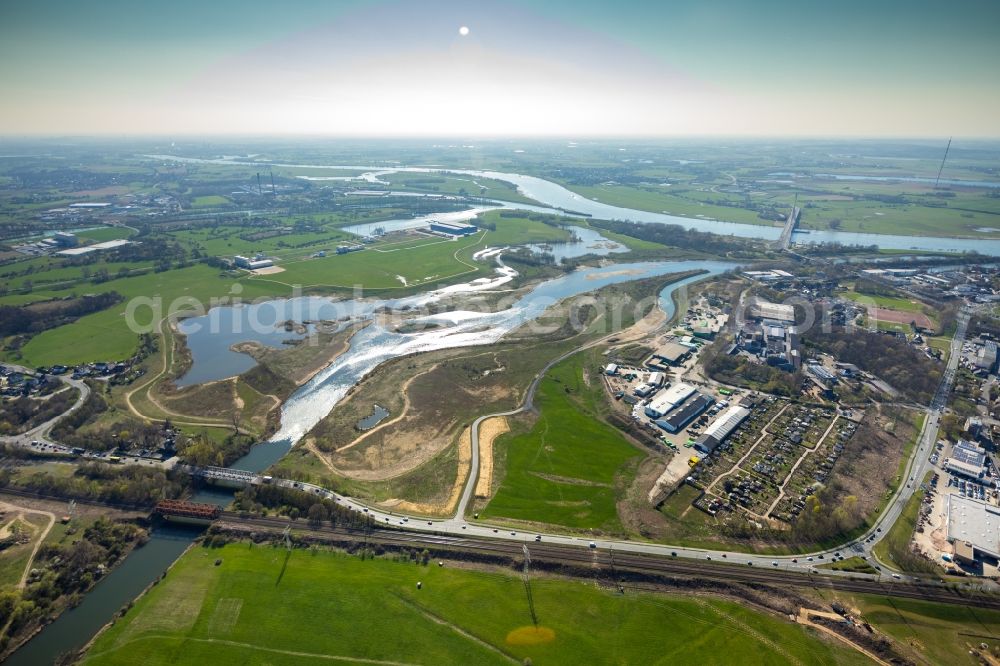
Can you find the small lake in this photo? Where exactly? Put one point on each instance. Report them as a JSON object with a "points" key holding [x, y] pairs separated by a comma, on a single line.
{"points": [[214, 359], [373, 419]]}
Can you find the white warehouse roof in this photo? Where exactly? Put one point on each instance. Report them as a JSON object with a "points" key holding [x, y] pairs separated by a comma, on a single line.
{"points": [[974, 522], [669, 399], [727, 422]]}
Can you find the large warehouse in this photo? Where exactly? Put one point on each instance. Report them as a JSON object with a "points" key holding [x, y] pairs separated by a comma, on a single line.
{"points": [[668, 400], [453, 229], [974, 523], [679, 418], [721, 428], [671, 353]]}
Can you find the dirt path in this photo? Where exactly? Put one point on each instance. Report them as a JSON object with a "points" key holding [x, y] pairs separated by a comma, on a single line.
{"points": [[405, 390], [464, 467], [261, 648], [489, 430], [784, 484], [805, 617], [21, 511]]}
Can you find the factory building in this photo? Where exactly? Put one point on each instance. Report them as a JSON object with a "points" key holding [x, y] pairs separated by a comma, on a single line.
{"points": [[671, 353], [668, 400], [679, 418], [65, 239], [973, 527], [721, 428], [645, 390], [773, 311], [453, 229]]}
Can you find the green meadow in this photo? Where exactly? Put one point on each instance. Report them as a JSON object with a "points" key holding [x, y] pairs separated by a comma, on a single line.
{"points": [[105, 335], [888, 302], [263, 605], [391, 264], [566, 468]]}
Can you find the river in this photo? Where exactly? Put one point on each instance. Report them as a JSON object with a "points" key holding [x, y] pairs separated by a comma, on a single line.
{"points": [[560, 200], [370, 347]]}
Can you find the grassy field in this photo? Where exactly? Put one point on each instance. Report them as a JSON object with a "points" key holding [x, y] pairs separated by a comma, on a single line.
{"points": [[937, 633], [564, 469], [423, 261], [520, 230], [105, 335], [262, 605], [894, 548], [209, 201], [902, 304], [850, 206], [456, 184]]}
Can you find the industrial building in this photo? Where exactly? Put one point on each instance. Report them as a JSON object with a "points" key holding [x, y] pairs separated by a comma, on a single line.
{"points": [[679, 418], [96, 247], [453, 229], [972, 523], [668, 400], [721, 428], [65, 239], [773, 311], [967, 459], [252, 264], [672, 353], [645, 390], [986, 356]]}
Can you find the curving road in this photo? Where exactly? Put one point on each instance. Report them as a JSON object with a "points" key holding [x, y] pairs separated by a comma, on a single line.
{"points": [[40, 432], [805, 563]]}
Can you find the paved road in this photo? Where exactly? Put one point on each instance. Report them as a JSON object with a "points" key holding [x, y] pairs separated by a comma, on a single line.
{"points": [[785, 240], [45, 443], [457, 525], [40, 432], [597, 562]]}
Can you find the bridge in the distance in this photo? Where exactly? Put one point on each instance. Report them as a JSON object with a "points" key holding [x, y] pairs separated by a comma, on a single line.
{"points": [[785, 240]]}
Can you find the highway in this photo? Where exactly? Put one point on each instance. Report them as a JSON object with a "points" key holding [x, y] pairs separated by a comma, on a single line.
{"points": [[806, 563], [785, 240], [614, 565], [459, 526]]}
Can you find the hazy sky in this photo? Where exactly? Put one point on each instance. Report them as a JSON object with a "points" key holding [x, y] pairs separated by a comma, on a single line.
{"points": [[567, 67]]}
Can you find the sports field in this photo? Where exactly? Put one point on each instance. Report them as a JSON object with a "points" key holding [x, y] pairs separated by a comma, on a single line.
{"points": [[889, 302], [565, 470], [262, 605], [895, 317]]}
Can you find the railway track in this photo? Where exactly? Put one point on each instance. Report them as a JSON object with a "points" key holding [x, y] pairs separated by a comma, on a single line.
{"points": [[607, 563]]}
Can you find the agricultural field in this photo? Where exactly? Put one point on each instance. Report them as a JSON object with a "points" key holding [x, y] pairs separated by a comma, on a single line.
{"points": [[259, 604]]}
